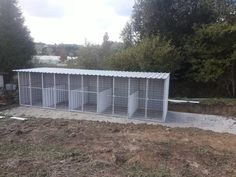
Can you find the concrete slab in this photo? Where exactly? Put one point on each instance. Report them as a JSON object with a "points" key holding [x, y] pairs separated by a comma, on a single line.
{"points": [[174, 119]]}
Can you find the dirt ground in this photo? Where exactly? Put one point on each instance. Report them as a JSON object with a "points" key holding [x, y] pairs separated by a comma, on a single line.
{"points": [[59, 147]]}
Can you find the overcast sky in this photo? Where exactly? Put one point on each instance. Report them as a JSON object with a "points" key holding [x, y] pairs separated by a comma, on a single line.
{"points": [[74, 21]]}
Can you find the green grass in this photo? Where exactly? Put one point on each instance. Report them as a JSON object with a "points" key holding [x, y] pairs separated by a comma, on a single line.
{"points": [[138, 171], [10, 150], [219, 101], [211, 101]]}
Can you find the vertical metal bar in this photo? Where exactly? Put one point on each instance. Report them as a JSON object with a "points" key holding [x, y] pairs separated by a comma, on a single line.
{"points": [[69, 106], [54, 91], [113, 96], [97, 93], [82, 92], [43, 100], [30, 91], [146, 100], [19, 88], [128, 98]]}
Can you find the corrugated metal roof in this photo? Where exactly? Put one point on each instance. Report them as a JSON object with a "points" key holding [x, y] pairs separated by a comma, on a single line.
{"points": [[149, 75]]}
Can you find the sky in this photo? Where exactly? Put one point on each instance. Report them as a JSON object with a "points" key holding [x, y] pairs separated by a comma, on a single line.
{"points": [[75, 21]]}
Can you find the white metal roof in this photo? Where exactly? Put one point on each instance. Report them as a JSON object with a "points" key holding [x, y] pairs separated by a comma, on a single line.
{"points": [[149, 75]]}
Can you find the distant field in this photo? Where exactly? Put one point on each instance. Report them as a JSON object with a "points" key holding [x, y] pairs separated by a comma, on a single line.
{"points": [[57, 147]]}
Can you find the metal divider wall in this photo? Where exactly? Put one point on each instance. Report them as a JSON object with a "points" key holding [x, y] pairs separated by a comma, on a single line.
{"points": [[61, 84], [137, 98], [90, 93], [120, 96], [105, 95], [155, 99], [36, 89], [24, 88], [75, 93], [123, 96]]}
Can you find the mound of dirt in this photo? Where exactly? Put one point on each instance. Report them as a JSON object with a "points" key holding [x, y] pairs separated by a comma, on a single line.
{"points": [[58, 147]]}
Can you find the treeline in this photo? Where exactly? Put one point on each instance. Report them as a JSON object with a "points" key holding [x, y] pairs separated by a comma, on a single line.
{"points": [[195, 40]]}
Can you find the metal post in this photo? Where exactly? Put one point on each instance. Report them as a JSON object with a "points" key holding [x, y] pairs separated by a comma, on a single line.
{"points": [[128, 97], [69, 92], [97, 93], [113, 96], [146, 100], [54, 91], [18, 75], [82, 92], [30, 91], [42, 89]]}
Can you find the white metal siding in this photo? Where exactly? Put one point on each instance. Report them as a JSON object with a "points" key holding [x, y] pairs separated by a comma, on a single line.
{"points": [[134, 97]]}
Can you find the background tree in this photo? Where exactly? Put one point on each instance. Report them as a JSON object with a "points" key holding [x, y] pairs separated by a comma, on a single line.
{"points": [[212, 50], [152, 54], [16, 45], [174, 19], [127, 35]]}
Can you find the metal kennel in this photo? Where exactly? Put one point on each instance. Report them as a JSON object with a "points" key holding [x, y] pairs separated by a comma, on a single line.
{"points": [[141, 95]]}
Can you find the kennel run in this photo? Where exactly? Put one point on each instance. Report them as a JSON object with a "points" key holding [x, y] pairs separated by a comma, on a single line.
{"points": [[141, 95]]}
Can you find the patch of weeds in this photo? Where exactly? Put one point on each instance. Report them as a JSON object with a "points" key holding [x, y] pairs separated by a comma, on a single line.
{"points": [[219, 101], [38, 173], [51, 152], [212, 157], [187, 171], [138, 171], [166, 149]]}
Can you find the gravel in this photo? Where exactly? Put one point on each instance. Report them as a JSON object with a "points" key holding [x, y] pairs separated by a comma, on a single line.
{"points": [[174, 119]]}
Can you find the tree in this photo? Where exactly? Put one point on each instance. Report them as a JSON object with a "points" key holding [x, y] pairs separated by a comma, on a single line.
{"points": [[152, 54], [16, 45], [174, 19], [127, 35], [212, 50], [62, 53]]}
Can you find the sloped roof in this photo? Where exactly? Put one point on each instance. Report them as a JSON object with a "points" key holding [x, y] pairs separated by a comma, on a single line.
{"points": [[111, 73]]}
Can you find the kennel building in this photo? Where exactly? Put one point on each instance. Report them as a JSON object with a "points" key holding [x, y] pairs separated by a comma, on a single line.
{"points": [[142, 95]]}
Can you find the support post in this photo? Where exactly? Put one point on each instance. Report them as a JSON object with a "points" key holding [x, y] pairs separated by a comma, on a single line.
{"points": [[97, 93], [54, 91], [69, 92], [42, 88], [113, 95], [82, 92], [128, 97], [146, 99], [30, 91], [18, 75]]}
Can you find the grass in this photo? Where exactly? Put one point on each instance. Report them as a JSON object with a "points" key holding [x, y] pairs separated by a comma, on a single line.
{"points": [[45, 151], [138, 171], [211, 101], [219, 101]]}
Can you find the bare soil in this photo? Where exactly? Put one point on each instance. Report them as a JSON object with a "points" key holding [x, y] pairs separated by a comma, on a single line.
{"points": [[59, 147]]}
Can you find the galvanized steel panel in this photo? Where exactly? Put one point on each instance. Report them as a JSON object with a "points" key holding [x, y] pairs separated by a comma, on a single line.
{"points": [[149, 75]]}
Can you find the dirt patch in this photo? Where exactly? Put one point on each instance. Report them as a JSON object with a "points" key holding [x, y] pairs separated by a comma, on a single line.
{"points": [[215, 109], [58, 147]]}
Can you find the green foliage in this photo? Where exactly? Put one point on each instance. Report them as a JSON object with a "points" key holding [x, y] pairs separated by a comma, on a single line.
{"points": [[172, 19], [152, 54], [127, 35], [94, 56], [212, 51], [16, 45]]}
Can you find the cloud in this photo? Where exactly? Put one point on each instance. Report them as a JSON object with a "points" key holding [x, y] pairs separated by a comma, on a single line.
{"points": [[73, 21], [122, 7], [42, 8]]}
